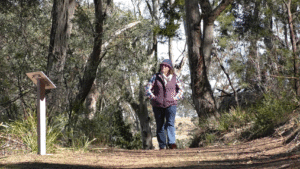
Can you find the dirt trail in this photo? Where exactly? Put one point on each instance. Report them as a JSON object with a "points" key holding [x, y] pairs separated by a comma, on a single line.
{"points": [[261, 153]]}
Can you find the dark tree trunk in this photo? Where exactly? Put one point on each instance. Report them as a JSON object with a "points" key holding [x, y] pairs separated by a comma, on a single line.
{"points": [[199, 81], [199, 51], [144, 118], [62, 13], [94, 59]]}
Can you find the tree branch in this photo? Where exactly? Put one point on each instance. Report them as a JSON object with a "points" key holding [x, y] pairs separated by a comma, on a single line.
{"points": [[220, 8], [149, 7], [118, 32], [228, 78], [284, 77]]}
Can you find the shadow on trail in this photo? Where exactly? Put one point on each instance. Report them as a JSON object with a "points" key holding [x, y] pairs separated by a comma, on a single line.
{"points": [[37, 165], [282, 161], [279, 161]]}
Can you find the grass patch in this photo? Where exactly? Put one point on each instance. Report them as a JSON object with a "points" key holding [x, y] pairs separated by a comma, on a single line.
{"points": [[235, 118], [26, 131]]}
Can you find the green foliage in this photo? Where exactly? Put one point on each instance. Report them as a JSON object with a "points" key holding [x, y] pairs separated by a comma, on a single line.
{"points": [[210, 138], [84, 132], [26, 130], [24, 30], [82, 143], [172, 14], [226, 20], [121, 134], [270, 113], [235, 118], [248, 123], [274, 109], [106, 128]]}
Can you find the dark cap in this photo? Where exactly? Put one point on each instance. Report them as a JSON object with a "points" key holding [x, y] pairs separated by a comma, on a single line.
{"points": [[167, 62]]}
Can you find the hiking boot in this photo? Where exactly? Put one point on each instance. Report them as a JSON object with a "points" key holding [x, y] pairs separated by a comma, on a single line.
{"points": [[172, 146]]}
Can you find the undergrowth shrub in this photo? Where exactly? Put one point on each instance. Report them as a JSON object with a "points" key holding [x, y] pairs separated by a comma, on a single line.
{"points": [[269, 113], [202, 138], [205, 134], [95, 131], [26, 130], [257, 121], [107, 128], [121, 134], [235, 118], [183, 143]]}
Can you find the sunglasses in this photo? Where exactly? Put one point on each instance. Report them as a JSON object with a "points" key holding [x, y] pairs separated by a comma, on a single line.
{"points": [[163, 65]]}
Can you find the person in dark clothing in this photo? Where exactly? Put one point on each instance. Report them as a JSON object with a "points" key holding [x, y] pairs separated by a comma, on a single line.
{"points": [[165, 89]]}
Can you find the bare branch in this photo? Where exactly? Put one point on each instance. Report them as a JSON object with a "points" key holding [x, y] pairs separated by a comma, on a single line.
{"points": [[149, 7], [228, 78], [284, 77], [118, 32]]}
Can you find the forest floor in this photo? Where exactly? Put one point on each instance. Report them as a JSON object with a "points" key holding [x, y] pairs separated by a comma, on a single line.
{"points": [[262, 153], [268, 152]]}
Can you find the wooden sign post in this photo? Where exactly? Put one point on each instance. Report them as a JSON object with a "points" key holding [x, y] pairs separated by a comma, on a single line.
{"points": [[43, 83]]}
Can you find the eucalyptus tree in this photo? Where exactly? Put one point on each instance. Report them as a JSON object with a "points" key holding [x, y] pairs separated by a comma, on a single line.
{"points": [[252, 28], [122, 38], [145, 59], [291, 9], [173, 12], [262, 27], [23, 26], [59, 48], [62, 14], [200, 48], [238, 33], [254, 42]]}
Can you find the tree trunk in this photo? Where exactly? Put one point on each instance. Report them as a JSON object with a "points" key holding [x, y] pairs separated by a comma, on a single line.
{"points": [[201, 90], [94, 59], [155, 19], [141, 110], [170, 46], [62, 13], [91, 98], [294, 46], [254, 48], [144, 118], [91, 101], [200, 84]]}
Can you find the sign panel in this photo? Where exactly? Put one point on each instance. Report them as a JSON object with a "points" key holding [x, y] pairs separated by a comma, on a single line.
{"points": [[43, 83], [40, 75]]}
